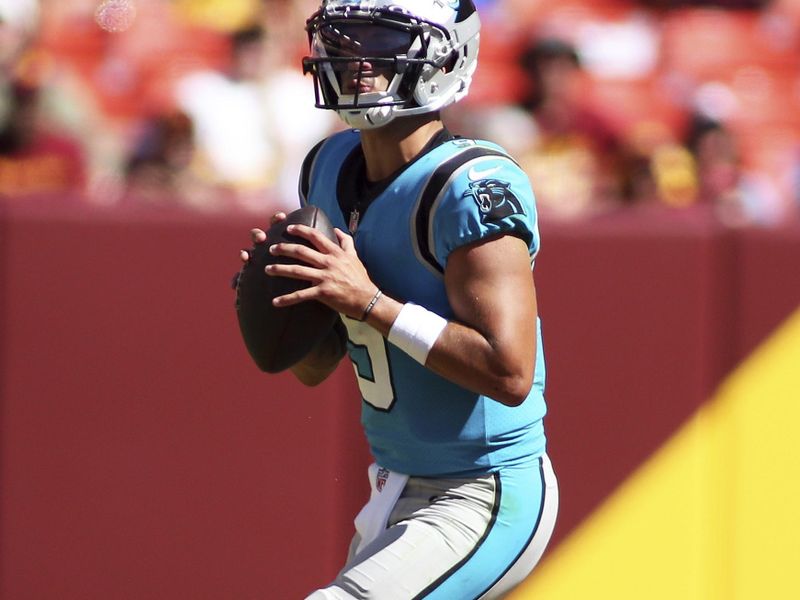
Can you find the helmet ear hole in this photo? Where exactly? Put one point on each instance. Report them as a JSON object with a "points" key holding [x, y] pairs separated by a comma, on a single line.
{"points": [[427, 72], [450, 63], [413, 77]]}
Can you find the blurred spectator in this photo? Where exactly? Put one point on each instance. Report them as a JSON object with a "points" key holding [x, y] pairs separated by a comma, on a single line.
{"points": [[230, 129], [576, 160], [202, 103], [220, 15], [18, 23], [18, 19], [33, 159], [295, 124], [158, 171], [255, 122], [730, 4], [661, 171], [737, 196]]}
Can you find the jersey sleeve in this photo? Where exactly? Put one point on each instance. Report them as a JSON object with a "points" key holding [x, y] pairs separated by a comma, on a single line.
{"points": [[485, 197]]}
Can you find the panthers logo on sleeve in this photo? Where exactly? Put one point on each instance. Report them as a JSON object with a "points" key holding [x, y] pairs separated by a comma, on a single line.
{"points": [[494, 199]]}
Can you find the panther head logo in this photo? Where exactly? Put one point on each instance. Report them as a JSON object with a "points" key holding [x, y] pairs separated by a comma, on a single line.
{"points": [[494, 199]]}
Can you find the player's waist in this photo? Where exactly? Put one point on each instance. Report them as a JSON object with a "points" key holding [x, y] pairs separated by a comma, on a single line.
{"points": [[457, 457]]}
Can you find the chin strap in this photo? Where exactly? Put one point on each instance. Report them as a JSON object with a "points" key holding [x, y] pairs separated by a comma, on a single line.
{"points": [[367, 118]]}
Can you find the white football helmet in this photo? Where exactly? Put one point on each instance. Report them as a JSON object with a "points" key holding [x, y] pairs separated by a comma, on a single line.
{"points": [[426, 49]]}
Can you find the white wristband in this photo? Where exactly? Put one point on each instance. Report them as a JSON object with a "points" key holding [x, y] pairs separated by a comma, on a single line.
{"points": [[415, 331]]}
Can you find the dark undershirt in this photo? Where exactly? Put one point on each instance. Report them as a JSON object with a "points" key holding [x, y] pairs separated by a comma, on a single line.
{"points": [[355, 192]]}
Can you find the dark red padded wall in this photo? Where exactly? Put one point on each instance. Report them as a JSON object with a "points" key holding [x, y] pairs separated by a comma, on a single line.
{"points": [[768, 283], [143, 455], [635, 341]]}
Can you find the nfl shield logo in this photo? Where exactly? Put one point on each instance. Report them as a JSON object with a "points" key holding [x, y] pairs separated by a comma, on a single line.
{"points": [[380, 480]]}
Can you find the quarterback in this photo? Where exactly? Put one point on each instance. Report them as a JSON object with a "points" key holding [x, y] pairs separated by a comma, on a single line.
{"points": [[432, 277]]}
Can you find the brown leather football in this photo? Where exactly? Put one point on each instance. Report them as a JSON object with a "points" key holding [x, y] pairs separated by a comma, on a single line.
{"points": [[277, 338]]}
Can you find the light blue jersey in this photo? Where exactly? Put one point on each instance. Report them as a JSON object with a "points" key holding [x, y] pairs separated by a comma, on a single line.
{"points": [[459, 192]]}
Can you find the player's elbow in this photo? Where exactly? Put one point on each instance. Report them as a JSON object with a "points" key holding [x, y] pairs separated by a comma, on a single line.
{"points": [[511, 373], [513, 388]]}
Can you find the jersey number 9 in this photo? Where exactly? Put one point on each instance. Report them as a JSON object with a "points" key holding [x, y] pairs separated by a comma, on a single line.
{"points": [[371, 363]]}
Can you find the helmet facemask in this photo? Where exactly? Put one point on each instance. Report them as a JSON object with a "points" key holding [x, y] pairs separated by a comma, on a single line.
{"points": [[372, 64]]}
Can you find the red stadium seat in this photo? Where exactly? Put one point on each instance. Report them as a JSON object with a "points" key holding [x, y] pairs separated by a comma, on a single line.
{"points": [[703, 43]]}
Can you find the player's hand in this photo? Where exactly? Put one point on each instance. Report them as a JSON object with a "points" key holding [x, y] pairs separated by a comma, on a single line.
{"points": [[338, 277], [258, 236]]}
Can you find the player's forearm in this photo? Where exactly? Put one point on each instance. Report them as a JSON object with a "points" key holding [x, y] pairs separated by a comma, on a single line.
{"points": [[318, 365], [466, 357], [311, 374]]}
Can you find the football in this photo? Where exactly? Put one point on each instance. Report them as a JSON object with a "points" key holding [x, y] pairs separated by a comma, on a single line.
{"points": [[277, 338]]}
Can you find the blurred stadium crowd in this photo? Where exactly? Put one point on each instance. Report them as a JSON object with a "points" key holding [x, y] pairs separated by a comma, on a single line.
{"points": [[678, 106]]}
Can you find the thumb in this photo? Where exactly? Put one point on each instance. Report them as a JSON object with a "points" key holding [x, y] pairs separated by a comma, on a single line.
{"points": [[345, 240]]}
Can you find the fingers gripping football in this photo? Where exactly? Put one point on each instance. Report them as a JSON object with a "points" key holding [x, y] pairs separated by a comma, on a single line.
{"points": [[277, 337], [337, 276], [258, 236]]}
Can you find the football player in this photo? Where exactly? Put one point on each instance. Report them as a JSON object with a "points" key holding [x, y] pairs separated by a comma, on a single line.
{"points": [[432, 275]]}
